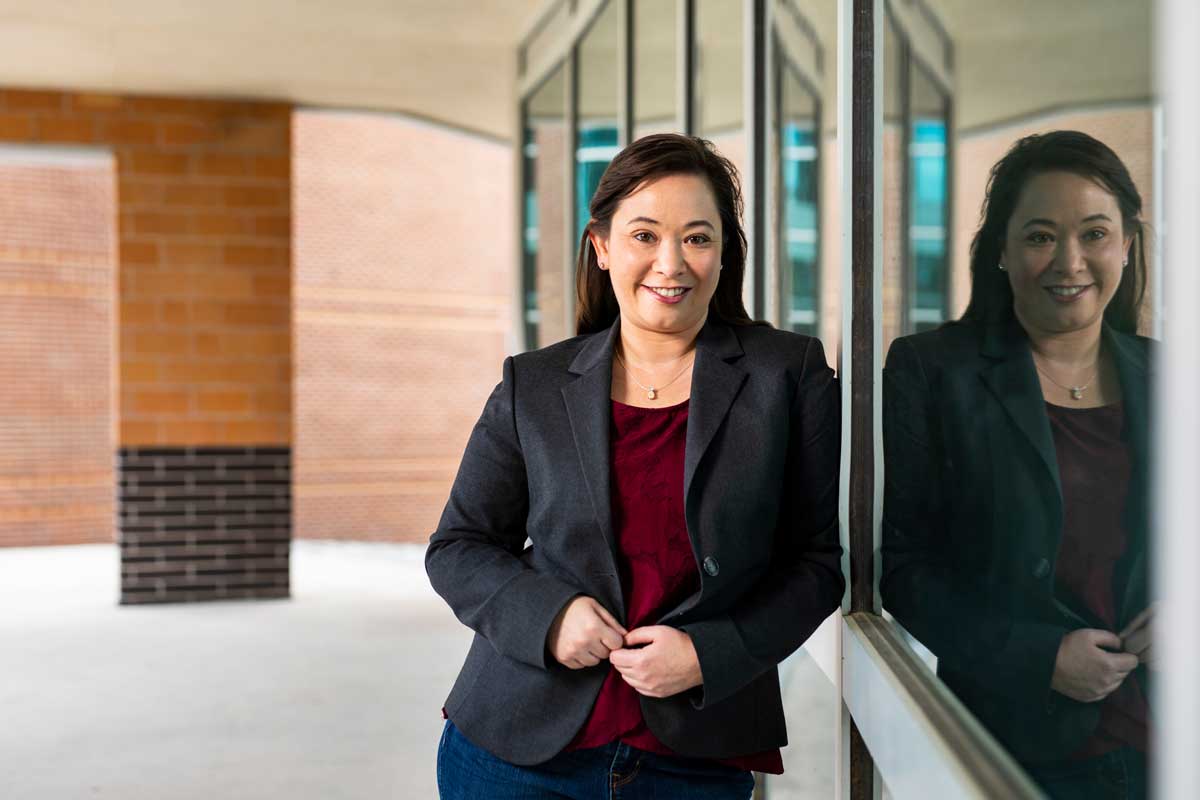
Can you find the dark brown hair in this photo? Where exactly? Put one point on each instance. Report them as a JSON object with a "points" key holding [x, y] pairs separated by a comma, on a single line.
{"points": [[1057, 151], [646, 160]]}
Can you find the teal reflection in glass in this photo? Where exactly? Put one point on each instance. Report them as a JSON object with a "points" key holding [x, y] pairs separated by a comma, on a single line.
{"points": [[927, 230], [597, 147], [799, 167]]}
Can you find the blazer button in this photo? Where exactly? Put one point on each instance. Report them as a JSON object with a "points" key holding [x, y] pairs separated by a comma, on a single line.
{"points": [[711, 566], [1041, 569]]}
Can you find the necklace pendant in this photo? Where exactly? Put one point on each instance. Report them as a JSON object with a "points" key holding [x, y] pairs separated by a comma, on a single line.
{"points": [[1076, 392], [651, 393]]}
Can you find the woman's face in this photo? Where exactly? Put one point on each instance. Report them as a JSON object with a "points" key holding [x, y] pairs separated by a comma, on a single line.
{"points": [[1063, 253], [663, 254]]}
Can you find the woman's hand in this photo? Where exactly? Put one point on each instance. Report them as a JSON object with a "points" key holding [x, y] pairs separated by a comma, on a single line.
{"points": [[658, 661], [583, 634], [1089, 666], [1136, 638]]}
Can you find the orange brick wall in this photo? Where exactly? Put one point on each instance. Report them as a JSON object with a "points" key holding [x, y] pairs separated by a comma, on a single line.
{"points": [[57, 297], [404, 287], [204, 228]]}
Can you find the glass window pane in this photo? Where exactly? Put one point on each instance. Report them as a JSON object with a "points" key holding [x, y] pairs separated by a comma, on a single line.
{"points": [[892, 139], [718, 84], [655, 69], [1015, 517], [798, 184], [928, 280], [597, 136], [546, 254]]}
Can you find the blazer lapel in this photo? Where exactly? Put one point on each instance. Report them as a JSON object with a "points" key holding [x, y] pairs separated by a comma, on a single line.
{"points": [[715, 384], [1012, 378], [1134, 372], [588, 401]]}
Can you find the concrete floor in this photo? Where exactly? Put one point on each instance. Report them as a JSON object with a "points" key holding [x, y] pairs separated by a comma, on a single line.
{"points": [[333, 694]]}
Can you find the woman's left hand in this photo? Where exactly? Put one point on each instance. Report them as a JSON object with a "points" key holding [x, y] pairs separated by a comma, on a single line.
{"points": [[658, 661]]}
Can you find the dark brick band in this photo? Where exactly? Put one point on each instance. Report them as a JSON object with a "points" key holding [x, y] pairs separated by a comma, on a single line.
{"points": [[204, 523]]}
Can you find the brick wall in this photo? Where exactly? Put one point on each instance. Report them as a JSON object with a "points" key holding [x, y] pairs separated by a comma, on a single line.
{"points": [[404, 274], [202, 215], [204, 225], [57, 294]]}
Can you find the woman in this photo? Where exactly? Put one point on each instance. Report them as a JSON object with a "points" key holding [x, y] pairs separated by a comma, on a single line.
{"points": [[675, 469], [1015, 507]]}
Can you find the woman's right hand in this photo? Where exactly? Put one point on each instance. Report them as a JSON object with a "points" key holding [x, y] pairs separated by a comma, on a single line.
{"points": [[583, 634], [1090, 666]]}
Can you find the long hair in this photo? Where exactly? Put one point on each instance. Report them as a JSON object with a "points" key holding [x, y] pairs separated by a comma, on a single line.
{"points": [[1057, 151], [643, 161]]}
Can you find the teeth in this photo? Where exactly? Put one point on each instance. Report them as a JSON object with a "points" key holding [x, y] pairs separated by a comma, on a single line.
{"points": [[668, 292], [1066, 291]]}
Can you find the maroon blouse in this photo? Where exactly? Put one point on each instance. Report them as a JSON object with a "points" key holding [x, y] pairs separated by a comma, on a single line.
{"points": [[1094, 468], [654, 555]]}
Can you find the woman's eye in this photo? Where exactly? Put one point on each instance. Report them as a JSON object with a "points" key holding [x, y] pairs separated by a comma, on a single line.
{"points": [[644, 236], [698, 239], [1095, 234], [1039, 237]]}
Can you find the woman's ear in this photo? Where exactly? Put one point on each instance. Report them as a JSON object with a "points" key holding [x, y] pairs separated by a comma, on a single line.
{"points": [[601, 248]]}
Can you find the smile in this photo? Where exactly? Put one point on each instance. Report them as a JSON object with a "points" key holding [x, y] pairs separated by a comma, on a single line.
{"points": [[1066, 294], [674, 291]]}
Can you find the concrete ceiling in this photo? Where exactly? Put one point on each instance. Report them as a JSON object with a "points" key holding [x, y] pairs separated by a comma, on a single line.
{"points": [[454, 60], [450, 60], [1022, 56]]}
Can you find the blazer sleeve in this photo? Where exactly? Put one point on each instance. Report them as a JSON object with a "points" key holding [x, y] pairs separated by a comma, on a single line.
{"points": [[936, 595], [474, 557], [804, 583]]}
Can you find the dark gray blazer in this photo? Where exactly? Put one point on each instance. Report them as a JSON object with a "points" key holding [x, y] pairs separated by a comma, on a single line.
{"points": [[973, 515], [761, 497]]}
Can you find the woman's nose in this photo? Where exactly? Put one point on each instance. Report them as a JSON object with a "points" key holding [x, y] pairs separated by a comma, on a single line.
{"points": [[670, 261]]}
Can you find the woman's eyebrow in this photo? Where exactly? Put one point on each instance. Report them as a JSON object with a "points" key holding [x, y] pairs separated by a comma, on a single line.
{"points": [[691, 224], [1050, 222]]}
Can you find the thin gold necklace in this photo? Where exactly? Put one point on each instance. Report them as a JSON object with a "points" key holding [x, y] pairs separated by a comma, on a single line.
{"points": [[1076, 391], [651, 391]]}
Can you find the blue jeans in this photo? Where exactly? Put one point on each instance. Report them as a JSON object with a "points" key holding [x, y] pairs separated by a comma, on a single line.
{"points": [[613, 772], [1119, 775]]}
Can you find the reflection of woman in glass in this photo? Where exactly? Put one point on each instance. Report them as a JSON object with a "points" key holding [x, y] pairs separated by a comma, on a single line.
{"points": [[675, 468], [1016, 501]]}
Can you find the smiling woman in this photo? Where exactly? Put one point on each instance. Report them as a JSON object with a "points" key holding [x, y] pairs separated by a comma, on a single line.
{"points": [[643, 657], [1016, 504]]}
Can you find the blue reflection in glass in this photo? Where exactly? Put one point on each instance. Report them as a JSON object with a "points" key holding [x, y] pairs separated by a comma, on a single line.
{"points": [[597, 147], [927, 230], [799, 167]]}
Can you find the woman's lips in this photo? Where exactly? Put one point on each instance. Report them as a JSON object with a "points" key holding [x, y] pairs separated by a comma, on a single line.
{"points": [[1067, 294], [670, 299]]}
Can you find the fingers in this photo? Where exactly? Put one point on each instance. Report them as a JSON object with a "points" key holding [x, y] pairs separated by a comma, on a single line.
{"points": [[640, 636], [611, 640], [1123, 663], [624, 660], [609, 620], [1104, 639], [1142, 620], [1137, 641], [1149, 656]]}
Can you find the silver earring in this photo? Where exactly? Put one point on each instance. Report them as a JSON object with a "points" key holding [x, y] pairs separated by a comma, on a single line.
{"points": [[1125, 263], [1000, 266]]}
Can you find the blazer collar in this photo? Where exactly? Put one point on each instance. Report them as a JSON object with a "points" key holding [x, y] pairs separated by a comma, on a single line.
{"points": [[1012, 377], [715, 384]]}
